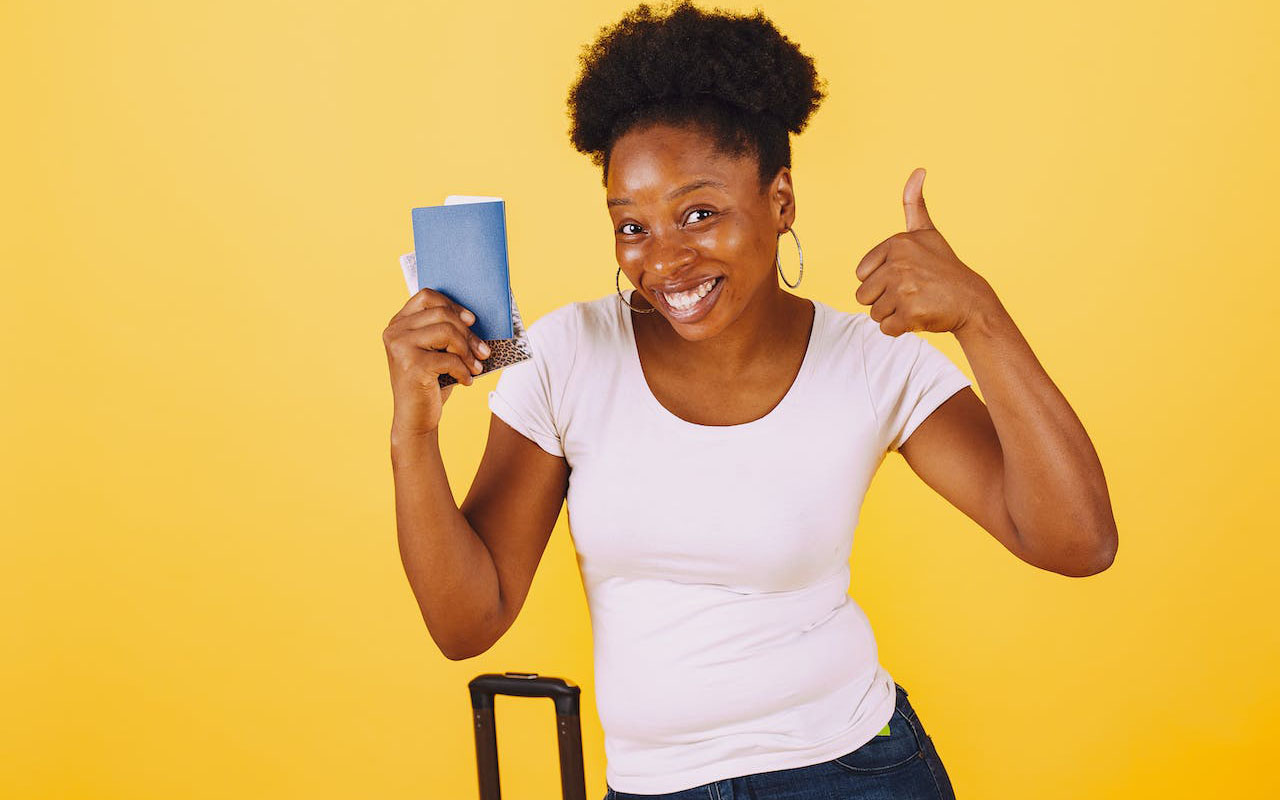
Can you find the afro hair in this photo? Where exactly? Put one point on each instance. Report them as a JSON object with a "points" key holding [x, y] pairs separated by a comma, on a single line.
{"points": [[734, 77]]}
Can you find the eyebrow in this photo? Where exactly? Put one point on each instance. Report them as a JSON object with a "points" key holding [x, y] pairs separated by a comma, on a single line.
{"points": [[688, 187]]}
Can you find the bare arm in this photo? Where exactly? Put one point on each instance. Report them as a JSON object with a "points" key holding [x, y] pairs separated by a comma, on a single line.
{"points": [[471, 567], [1022, 466], [448, 565], [1054, 486]]}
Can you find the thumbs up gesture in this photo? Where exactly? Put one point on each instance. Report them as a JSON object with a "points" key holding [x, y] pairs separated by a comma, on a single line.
{"points": [[913, 281]]}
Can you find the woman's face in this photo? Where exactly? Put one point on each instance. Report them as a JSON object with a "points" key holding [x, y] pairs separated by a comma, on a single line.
{"points": [[684, 214]]}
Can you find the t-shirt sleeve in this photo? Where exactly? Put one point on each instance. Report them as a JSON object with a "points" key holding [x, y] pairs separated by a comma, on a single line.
{"points": [[907, 378], [528, 393]]}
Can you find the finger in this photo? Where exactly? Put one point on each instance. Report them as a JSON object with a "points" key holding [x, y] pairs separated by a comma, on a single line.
{"points": [[872, 288], [429, 298], [443, 337], [421, 299], [436, 314], [882, 307], [894, 324], [873, 259], [441, 363], [913, 202]]}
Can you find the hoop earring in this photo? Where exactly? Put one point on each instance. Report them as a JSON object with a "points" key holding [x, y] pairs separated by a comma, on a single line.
{"points": [[800, 252], [623, 300]]}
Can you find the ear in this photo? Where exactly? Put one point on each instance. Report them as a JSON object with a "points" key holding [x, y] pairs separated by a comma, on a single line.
{"points": [[782, 199]]}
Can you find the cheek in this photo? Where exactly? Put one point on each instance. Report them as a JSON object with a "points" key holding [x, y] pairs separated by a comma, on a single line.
{"points": [[732, 238], [734, 241], [627, 255]]}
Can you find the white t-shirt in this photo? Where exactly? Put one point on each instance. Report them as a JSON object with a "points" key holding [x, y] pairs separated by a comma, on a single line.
{"points": [[715, 558]]}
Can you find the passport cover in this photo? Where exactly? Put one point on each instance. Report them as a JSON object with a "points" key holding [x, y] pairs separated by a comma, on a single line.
{"points": [[460, 250]]}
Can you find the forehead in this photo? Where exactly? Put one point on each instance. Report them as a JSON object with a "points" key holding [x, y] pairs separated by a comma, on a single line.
{"points": [[647, 162]]}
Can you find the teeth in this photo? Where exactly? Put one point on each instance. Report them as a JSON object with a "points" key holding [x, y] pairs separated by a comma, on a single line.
{"points": [[687, 299]]}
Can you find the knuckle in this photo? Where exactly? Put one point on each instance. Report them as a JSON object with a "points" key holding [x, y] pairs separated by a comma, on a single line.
{"points": [[436, 337], [439, 363], [396, 348]]}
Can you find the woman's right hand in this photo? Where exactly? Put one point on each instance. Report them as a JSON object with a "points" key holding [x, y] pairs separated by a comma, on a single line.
{"points": [[427, 338]]}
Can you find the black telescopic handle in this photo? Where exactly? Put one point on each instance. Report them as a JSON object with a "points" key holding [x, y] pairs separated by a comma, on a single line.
{"points": [[564, 694]]}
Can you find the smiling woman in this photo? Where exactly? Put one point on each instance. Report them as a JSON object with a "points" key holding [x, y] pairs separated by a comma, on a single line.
{"points": [[729, 656], [689, 117], [714, 436]]}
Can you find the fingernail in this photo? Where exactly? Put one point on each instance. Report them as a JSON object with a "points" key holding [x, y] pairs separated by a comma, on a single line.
{"points": [[468, 317], [484, 349], [477, 363]]}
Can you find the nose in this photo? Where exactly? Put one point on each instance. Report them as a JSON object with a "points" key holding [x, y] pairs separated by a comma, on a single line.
{"points": [[669, 254]]}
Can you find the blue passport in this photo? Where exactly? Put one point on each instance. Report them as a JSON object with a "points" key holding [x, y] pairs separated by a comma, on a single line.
{"points": [[461, 251]]}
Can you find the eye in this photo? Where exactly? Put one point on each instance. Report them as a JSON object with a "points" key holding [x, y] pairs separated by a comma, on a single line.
{"points": [[622, 229]]}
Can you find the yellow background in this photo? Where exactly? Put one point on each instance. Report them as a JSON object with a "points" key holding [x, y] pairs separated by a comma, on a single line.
{"points": [[203, 208]]}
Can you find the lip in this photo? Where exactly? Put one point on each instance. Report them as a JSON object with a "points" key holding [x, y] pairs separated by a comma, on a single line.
{"points": [[676, 288], [703, 307]]}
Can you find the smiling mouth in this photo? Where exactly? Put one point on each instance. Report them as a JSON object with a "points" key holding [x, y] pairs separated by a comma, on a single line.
{"points": [[688, 306]]}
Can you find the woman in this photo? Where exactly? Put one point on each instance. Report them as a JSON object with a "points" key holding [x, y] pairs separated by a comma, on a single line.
{"points": [[714, 436]]}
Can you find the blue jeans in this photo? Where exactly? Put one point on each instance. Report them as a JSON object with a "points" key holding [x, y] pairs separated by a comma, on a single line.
{"points": [[901, 766]]}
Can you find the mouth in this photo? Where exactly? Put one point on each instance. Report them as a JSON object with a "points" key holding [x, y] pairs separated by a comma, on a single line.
{"points": [[689, 306]]}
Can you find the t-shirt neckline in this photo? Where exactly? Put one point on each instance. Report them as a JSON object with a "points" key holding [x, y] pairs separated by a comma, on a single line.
{"points": [[777, 412]]}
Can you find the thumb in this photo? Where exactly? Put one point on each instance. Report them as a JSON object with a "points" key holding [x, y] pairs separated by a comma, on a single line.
{"points": [[913, 202]]}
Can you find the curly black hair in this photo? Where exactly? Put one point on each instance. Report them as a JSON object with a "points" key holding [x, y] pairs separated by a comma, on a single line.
{"points": [[735, 77]]}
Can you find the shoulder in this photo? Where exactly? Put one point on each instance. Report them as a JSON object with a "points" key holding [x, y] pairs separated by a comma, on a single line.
{"points": [[855, 339], [554, 321], [838, 324], [876, 346], [555, 333], [579, 323], [854, 334], [569, 333]]}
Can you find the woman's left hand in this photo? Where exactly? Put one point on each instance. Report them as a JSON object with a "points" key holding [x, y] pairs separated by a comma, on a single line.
{"points": [[913, 281]]}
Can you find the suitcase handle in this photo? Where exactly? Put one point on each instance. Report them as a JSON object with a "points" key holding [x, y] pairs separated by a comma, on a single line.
{"points": [[564, 694]]}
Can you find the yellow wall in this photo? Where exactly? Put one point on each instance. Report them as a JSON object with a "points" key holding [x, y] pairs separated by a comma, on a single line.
{"points": [[203, 208]]}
